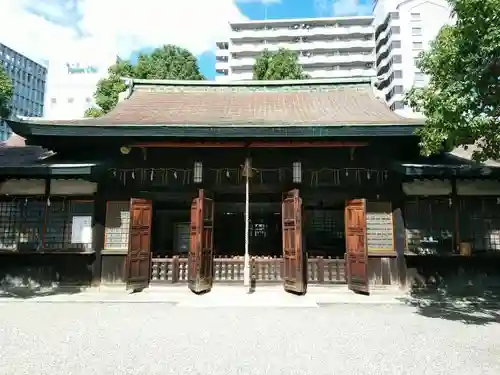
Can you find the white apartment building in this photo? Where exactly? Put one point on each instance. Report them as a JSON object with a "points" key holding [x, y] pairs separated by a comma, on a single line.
{"points": [[328, 47], [72, 81], [403, 29]]}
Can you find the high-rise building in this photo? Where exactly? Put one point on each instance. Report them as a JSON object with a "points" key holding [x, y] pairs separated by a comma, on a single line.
{"points": [[72, 81], [403, 29], [332, 47], [28, 79]]}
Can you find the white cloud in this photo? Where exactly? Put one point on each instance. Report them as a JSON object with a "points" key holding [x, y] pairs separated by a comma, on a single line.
{"points": [[265, 2], [110, 26], [351, 8], [322, 8]]}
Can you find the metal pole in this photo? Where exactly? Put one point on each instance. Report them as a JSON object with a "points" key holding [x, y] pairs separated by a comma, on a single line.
{"points": [[246, 267]]}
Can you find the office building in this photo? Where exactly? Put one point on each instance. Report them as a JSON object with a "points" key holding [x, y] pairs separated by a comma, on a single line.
{"points": [[28, 79], [328, 47], [403, 29], [72, 82]]}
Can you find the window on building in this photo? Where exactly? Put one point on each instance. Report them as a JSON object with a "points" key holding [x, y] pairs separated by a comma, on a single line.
{"points": [[398, 89], [71, 100], [117, 226], [417, 45], [419, 78], [32, 224], [415, 16], [88, 100], [394, 15], [397, 105], [53, 101], [416, 31]]}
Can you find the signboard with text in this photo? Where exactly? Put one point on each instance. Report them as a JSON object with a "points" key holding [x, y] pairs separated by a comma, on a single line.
{"points": [[81, 69]]}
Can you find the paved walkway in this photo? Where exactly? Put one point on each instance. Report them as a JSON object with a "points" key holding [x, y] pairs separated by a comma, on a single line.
{"points": [[150, 339], [220, 296]]}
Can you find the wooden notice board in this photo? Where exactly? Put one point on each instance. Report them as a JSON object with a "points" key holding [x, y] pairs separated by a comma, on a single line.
{"points": [[380, 228]]}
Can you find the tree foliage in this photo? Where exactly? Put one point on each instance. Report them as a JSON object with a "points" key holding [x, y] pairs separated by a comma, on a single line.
{"points": [[6, 92], [167, 62], [461, 103], [283, 64]]}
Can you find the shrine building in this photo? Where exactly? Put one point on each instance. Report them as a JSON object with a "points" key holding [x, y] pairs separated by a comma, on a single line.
{"points": [[204, 183]]}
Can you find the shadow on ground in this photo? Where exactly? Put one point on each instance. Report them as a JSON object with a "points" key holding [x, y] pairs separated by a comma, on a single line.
{"points": [[468, 304], [26, 287]]}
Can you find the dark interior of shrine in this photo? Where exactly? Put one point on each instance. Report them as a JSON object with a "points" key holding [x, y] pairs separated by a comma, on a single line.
{"points": [[322, 227], [325, 177]]}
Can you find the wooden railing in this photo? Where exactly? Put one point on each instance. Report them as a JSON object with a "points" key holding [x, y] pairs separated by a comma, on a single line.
{"points": [[264, 270]]}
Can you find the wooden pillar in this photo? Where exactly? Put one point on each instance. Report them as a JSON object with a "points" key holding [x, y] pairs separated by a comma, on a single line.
{"points": [[98, 234], [46, 209], [398, 207], [456, 215]]}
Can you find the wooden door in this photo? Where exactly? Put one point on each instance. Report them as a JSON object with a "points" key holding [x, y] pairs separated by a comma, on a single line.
{"points": [[139, 253], [356, 245], [201, 244], [294, 257]]}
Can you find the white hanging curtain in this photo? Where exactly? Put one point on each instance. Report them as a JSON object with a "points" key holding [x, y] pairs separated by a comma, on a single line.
{"points": [[72, 187], [427, 187], [22, 187]]}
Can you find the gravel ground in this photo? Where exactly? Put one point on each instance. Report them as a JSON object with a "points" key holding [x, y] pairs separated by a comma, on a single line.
{"points": [[153, 338]]}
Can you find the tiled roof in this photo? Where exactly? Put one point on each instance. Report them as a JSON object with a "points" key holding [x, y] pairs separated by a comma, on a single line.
{"points": [[15, 152], [266, 103], [24, 155], [466, 154], [14, 140]]}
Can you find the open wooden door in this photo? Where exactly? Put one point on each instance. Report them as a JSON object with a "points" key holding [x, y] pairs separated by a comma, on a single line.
{"points": [[139, 253], [356, 245], [201, 244], [294, 257]]}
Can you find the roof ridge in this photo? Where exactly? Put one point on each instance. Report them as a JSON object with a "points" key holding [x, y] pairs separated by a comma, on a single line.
{"points": [[249, 83]]}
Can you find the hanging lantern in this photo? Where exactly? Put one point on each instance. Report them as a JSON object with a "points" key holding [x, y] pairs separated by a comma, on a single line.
{"points": [[198, 172], [125, 150], [297, 172], [247, 170]]}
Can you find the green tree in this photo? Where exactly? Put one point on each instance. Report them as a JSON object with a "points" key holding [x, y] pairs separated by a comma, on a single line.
{"points": [[6, 92], [166, 62], [283, 64], [461, 102]]}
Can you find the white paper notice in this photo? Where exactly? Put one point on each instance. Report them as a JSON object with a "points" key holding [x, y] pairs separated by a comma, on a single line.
{"points": [[81, 229]]}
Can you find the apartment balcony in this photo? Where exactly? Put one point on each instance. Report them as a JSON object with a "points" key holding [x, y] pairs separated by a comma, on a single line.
{"points": [[341, 73], [222, 78], [304, 46], [312, 60], [301, 32], [221, 65], [337, 59], [222, 71], [222, 52], [222, 44], [244, 75]]}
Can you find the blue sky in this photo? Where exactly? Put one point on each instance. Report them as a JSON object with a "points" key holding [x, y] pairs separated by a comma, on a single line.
{"points": [[90, 29], [276, 9]]}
